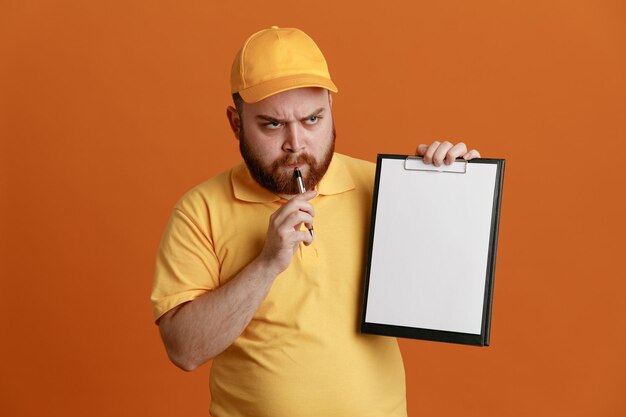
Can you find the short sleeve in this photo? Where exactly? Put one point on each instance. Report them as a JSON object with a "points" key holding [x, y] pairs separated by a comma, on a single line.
{"points": [[186, 264]]}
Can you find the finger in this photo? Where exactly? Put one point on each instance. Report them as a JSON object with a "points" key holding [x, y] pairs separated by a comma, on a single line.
{"points": [[296, 219], [421, 149], [307, 225], [284, 216], [441, 152], [456, 151], [305, 237], [289, 232], [471, 155], [299, 203], [430, 151], [293, 205], [301, 235], [305, 207], [284, 222]]}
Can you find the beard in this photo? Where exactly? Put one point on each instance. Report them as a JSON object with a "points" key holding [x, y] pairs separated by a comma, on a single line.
{"points": [[275, 178]]}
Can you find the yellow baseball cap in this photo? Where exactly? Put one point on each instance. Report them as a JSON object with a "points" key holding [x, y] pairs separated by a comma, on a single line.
{"points": [[276, 60]]}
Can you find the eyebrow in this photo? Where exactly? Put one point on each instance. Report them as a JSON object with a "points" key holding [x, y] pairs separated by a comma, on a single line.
{"points": [[275, 120]]}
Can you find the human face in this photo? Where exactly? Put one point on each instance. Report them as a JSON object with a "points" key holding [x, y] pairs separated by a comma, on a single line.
{"points": [[288, 130]]}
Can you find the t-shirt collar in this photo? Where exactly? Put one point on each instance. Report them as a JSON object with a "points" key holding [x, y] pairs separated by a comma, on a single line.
{"points": [[337, 180]]}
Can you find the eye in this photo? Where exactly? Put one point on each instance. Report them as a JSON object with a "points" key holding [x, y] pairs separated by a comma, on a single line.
{"points": [[312, 120], [273, 125]]}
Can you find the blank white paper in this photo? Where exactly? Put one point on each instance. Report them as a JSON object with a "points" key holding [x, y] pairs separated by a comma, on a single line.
{"points": [[430, 247]]}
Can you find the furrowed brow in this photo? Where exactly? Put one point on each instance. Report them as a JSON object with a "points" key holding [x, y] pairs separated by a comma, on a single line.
{"points": [[317, 112], [270, 119]]}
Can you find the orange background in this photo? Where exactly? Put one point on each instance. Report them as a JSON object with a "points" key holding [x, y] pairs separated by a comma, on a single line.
{"points": [[110, 110]]}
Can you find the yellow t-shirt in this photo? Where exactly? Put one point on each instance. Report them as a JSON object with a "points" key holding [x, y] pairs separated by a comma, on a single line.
{"points": [[302, 354]]}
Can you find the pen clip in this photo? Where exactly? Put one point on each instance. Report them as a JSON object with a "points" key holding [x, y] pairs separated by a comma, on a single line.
{"points": [[416, 163]]}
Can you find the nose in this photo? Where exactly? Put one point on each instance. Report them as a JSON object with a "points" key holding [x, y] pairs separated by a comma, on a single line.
{"points": [[294, 139]]}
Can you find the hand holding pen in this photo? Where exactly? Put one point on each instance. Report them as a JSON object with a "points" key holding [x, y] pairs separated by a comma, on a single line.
{"points": [[297, 175], [285, 233]]}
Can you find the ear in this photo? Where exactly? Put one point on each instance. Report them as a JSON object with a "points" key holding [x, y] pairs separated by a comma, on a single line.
{"points": [[330, 100], [234, 120]]}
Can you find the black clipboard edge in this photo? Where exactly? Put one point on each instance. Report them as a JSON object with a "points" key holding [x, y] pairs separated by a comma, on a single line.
{"points": [[423, 334], [370, 245], [493, 246], [429, 334]]}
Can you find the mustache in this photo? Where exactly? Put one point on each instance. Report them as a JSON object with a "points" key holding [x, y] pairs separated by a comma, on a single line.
{"points": [[301, 159]]}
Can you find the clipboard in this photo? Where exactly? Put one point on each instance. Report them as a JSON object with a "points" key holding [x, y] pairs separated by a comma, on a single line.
{"points": [[431, 258]]}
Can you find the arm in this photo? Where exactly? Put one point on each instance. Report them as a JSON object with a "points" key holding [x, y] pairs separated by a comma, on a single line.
{"points": [[199, 330]]}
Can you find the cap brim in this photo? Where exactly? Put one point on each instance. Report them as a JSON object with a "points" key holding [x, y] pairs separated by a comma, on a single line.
{"points": [[278, 85]]}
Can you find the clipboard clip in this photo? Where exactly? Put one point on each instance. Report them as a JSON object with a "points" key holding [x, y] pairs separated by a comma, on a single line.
{"points": [[416, 163]]}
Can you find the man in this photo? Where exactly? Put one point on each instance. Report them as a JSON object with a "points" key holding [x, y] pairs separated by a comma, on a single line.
{"points": [[240, 279]]}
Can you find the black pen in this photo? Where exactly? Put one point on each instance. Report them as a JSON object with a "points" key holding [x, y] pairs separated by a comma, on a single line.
{"points": [[298, 177]]}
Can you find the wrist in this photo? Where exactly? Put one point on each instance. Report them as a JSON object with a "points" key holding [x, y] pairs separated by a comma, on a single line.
{"points": [[266, 269]]}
